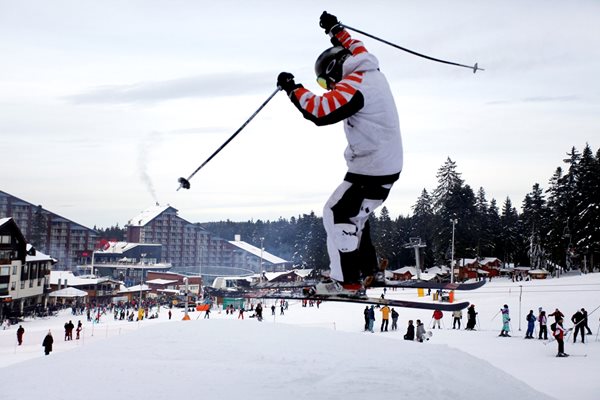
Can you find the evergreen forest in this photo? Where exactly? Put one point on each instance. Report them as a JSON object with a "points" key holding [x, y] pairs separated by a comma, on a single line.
{"points": [[557, 225]]}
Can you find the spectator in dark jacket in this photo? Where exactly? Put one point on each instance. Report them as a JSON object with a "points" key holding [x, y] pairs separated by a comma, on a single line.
{"points": [[577, 320], [47, 343], [471, 318], [557, 315], [410, 331], [20, 333]]}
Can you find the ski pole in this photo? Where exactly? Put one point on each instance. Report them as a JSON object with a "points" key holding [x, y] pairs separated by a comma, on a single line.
{"points": [[185, 183], [495, 315], [475, 68]]}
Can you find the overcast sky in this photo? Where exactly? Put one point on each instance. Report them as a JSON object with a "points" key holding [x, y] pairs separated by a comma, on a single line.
{"points": [[105, 104]]}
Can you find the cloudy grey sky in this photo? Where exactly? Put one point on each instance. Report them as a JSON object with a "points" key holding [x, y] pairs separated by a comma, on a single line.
{"points": [[104, 104]]}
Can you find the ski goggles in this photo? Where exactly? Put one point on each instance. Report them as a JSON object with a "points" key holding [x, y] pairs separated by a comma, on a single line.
{"points": [[322, 82]]}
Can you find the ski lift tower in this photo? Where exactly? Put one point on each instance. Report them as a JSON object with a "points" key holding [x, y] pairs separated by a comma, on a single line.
{"points": [[416, 243]]}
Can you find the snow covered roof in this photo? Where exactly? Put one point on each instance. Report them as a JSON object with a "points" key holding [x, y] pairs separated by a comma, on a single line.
{"points": [[148, 215], [256, 252], [3, 221], [39, 256], [488, 260], [303, 272], [159, 281], [424, 276], [68, 292], [403, 270], [438, 270], [135, 288], [72, 280], [538, 271]]}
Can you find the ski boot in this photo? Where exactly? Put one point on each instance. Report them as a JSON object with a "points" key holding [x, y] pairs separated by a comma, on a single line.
{"points": [[330, 287]]}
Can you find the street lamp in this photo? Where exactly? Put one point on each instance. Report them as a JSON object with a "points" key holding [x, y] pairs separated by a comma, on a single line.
{"points": [[143, 255], [261, 255], [454, 222]]}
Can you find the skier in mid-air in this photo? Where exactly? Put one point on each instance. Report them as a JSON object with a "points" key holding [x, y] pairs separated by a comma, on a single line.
{"points": [[358, 94]]}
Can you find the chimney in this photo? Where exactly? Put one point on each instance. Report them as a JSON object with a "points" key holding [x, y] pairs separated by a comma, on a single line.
{"points": [[59, 283], [238, 238]]}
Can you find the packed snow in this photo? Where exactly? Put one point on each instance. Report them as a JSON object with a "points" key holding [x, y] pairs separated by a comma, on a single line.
{"points": [[316, 353]]}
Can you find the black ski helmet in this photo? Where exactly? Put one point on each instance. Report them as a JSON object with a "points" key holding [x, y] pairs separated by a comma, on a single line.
{"points": [[328, 66]]}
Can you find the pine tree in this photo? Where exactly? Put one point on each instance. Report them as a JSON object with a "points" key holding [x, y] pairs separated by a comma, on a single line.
{"points": [[535, 222], [448, 181], [509, 233]]}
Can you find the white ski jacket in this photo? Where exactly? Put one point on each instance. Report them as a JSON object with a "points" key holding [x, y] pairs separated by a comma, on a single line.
{"points": [[364, 101]]}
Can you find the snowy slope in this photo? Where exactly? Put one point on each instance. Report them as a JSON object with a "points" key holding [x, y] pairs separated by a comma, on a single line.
{"points": [[314, 353]]}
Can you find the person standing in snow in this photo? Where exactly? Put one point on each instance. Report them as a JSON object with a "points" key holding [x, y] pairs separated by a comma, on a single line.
{"points": [[505, 321], [559, 333], [385, 318], [20, 333], [456, 317], [437, 318], [78, 330], [577, 320], [471, 318], [557, 315], [367, 318], [360, 96], [394, 320], [371, 319], [530, 325], [47, 343], [543, 321]]}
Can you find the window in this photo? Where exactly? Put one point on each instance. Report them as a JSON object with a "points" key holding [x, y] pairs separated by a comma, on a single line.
{"points": [[4, 271], [4, 239], [14, 270], [13, 285]]}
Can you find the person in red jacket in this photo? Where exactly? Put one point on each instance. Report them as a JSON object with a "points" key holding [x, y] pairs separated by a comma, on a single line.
{"points": [[360, 96], [437, 317], [559, 333]]}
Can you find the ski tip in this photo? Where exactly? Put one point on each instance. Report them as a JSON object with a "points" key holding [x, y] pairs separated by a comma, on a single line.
{"points": [[183, 183]]}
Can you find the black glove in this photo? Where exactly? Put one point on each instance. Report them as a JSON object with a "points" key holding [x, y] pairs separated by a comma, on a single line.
{"points": [[329, 22], [285, 81]]}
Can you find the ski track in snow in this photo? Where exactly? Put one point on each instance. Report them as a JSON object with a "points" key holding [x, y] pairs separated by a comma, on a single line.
{"points": [[316, 353]]}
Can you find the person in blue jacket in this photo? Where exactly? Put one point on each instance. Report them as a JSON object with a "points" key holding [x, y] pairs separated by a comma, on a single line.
{"points": [[530, 325]]}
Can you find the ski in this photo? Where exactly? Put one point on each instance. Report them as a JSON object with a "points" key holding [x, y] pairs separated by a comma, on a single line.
{"points": [[411, 284], [269, 294]]}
